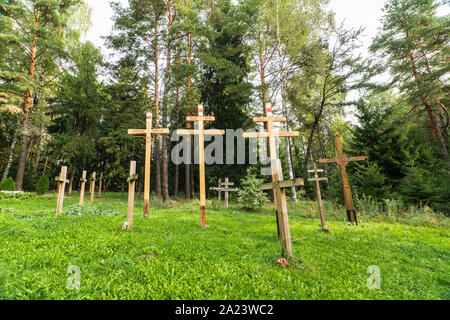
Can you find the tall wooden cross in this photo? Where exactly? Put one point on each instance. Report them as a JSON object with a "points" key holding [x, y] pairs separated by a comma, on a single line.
{"points": [[277, 176], [92, 187], [201, 132], [342, 160], [148, 150], [62, 180], [317, 180], [83, 184]]}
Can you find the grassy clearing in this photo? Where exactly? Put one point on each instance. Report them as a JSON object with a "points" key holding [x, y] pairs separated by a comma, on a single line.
{"points": [[234, 259]]}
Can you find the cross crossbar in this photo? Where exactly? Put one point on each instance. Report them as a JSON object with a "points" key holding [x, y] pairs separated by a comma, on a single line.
{"points": [[282, 184]]}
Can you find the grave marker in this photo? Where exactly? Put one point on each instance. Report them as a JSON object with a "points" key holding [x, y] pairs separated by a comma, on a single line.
{"points": [[342, 160], [317, 180], [277, 184], [131, 187], [83, 184], [224, 187], [92, 187], [61, 179], [100, 185], [148, 149], [201, 132]]}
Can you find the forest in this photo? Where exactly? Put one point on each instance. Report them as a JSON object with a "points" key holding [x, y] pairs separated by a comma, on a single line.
{"points": [[63, 103]]}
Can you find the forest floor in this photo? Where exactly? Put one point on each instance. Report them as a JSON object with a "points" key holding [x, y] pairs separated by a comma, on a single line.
{"points": [[169, 256]]}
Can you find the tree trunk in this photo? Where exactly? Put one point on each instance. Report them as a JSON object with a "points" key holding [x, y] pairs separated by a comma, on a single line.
{"points": [[72, 177], [27, 111], [11, 153], [188, 125], [429, 108], [157, 141], [165, 159], [177, 125]]}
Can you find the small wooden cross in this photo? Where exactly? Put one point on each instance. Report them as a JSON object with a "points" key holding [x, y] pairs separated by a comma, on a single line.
{"points": [[225, 187], [83, 184], [342, 160], [100, 184], [92, 186], [317, 180], [148, 150], [131, 187], [277, 176], [61, 179], [201, 132]]}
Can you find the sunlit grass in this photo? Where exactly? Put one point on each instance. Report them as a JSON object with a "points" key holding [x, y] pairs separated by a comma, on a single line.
{"points": [[236, 258]]}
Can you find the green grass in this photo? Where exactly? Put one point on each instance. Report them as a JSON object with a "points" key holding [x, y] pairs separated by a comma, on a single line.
{"points": [[236, 258]]}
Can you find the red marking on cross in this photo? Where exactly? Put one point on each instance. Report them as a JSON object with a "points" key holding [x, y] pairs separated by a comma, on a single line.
{"points": [[149, 116], [269, 111]]}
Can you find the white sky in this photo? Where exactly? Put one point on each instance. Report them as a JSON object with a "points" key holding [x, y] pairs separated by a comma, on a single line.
{"points": [[356, 13]]}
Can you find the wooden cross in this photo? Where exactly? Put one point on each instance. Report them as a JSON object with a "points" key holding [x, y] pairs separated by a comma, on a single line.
{"points": [[83, 183], [61, 179], [317, 180], [92, 186], [342, 160], [201, 132], [148, 150], [131, 187], [225, 187], [277, 176], [100, 183]]}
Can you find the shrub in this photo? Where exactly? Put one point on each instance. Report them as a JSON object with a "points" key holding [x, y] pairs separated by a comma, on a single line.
{"points": [[16, 196], [8, 185], [42, 185], [249, 194], [77, 211]]}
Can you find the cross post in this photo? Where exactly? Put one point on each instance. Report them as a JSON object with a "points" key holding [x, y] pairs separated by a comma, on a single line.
{"points": [[62, 180], [148, 150], [277, 176], [342, 160], [131, 188], [201, 132], [92, 187], [317, 180], [83, 184], [100, 185], [225, 188]]}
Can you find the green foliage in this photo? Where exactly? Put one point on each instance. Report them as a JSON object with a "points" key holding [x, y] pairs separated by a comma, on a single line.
{"points": [[8, 185], [370, 181], [43, 185], [249, 194], [76, 210], [17, 196]]}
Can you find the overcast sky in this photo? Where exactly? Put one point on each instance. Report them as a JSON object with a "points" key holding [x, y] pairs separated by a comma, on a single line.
{"points": [[356, 13]]}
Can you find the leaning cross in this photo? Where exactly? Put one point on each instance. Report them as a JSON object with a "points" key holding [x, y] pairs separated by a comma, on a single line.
{"points": [[317, 180], [277, 177], [201, 132], [92, 187], [148, 149], [83, 183], [342, 160], [61, 179]]}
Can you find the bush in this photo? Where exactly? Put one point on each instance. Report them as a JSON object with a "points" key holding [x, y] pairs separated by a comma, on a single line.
{"points": [[249, 194], [16, 196], [8, 185], [77, 211], [43, 185]]}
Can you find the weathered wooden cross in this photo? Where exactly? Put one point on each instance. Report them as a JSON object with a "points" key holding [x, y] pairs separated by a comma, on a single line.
{"points": [[201, 132], [100, 185], [131, 187], [148, 150], [225, 187], [83, 184], [278, 185], [92, 185], [62, 180], [317, 180], [342, 160]]}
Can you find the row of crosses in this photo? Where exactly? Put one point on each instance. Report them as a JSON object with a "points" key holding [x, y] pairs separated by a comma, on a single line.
{"points": [[278, 184]]}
